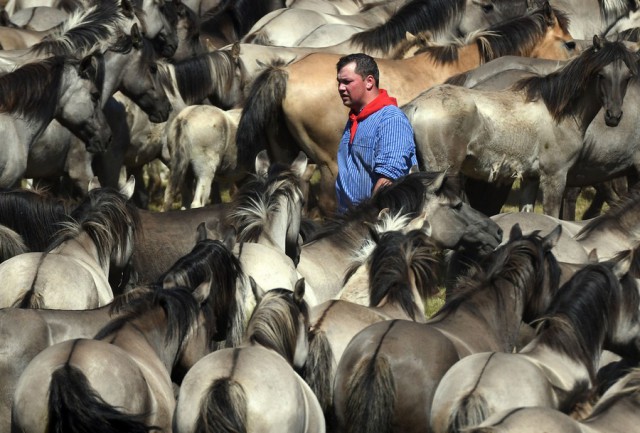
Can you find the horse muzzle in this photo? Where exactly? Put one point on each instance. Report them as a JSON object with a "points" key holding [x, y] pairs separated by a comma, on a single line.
{"points": [[612, 118]]}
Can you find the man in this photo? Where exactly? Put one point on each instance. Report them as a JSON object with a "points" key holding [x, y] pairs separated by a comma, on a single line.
{"points": [[377, 145]]}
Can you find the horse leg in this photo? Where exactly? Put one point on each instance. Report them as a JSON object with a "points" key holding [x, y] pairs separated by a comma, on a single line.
{"points": [[569, 203], [528, 194], [202, 190], [552, 192], [327, 190]]}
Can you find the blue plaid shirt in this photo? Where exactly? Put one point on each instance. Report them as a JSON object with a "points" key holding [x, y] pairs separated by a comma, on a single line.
{"points": [[383, 146]]}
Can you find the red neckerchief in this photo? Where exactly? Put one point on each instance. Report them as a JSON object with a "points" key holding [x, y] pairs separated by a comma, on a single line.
{"points": [[382, 100]]}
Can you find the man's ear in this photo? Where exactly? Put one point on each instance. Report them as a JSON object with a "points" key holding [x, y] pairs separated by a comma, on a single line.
{"points": [[369, 82]]}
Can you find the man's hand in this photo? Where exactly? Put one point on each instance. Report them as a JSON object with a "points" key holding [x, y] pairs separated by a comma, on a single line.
{"points": [[381, 182]]}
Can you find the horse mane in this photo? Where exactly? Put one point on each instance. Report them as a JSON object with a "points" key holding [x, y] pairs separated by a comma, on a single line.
{"points": [[510, 262], [274, 322], [194, 76], [258, 198], [106, 216], [581, 314], [32, 90], [33, 214], [631, 388], [124, 44], [406, 194], [242, 14], [414, 16], [561, 90], [621, 215], [515, 36], [211, 260], [393, 258], [178, 303], [616, 8], [85, 31], [11, 243]]}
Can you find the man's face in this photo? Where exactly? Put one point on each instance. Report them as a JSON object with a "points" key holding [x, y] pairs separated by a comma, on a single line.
{"points": [[351, 87]]}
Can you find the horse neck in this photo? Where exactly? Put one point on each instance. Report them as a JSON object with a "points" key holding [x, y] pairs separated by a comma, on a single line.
{"points": [[83, 248], [115, 64], [468, 59], [276, 227], [148, 334], [587, 107]]}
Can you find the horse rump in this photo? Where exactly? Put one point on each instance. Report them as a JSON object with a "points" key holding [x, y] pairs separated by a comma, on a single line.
{"points": [[75, 407], [224, 408]]}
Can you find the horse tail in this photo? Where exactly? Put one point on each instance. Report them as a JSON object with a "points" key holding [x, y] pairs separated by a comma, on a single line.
{"points": [[370, 397], [224, 408], [31, 299], [319, 369], [74, 407], [469, 411], [179, 161], [262, 115]]}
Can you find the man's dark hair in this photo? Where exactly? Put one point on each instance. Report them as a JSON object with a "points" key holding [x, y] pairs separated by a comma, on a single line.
{"points": [[365, 65]]}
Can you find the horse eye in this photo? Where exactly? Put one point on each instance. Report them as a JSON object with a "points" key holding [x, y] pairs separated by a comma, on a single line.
{"points": [[487, 8], [457, 206], [570, 45], [153, 68], [95, 96]]}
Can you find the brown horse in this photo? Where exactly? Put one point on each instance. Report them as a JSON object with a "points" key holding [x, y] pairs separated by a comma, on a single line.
{"points": [[308, 86], [388, 373]]}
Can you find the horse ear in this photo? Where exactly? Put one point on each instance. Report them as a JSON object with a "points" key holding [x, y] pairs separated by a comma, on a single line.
{"points": [[373, 231], [201, 293], [127, 8], [89, 68], [235, 50], [94, 183], [257, 291], [308, 173], [129, 187], [201, 232], [597, 43], [298, 292], [438, 182], [136, 37], [593, 256], [409, 36], [169, 282], [516, 232], [548, 14], [262, 163], [551, 240], [622, 266], [229, 238], [414, 169], [416, 223], [299, 165]]}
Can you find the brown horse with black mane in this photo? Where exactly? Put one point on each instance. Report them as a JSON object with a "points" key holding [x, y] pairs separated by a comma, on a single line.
{"points": [[288, 94]]}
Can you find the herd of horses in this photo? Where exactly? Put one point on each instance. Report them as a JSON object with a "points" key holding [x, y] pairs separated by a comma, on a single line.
{"points": [[256, 308]]}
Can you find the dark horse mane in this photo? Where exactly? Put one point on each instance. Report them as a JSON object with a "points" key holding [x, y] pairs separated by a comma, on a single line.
{"points": [[258, 197], [93, 27], [106, 216], [242, 14], [515, 36], [630, 389], [581, 314], [194, 76], [621, 216], [273, 323], [33, 214], [415, 16], [407, 194], [32, 90], [510, 262], [178, 303], [562, 90], [211, 260], [395, 255]]}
